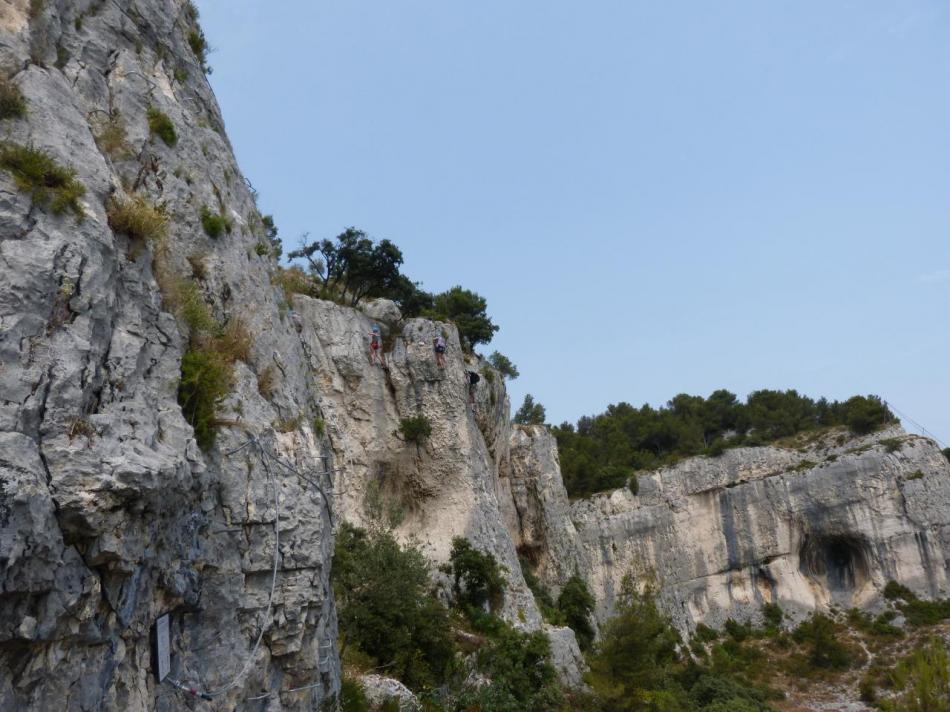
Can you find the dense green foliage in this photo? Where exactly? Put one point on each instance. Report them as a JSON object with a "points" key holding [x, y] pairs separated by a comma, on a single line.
{"points": [[918, 612], [922, 680], [36, 172], [159, 124], [386, 609], [822, 638], [603, 451], [415, 429], [12, 103], [353, 267], [468, 311], [352, 697], [636, 667], [576, 604], [476, 577], [214, 224], [206, 377], [530, 413], [522, 677], [503, 365]]}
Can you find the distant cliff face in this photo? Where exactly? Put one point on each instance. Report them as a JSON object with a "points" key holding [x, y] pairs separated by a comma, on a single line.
{"points": [[828, 523], [110, 515]]}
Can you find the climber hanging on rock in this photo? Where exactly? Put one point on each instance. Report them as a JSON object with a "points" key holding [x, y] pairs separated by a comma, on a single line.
{"points": [[375, 346], [438, 343], [473, 379]]}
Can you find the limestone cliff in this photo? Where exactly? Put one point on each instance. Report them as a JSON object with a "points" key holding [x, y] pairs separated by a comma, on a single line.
{"points": [[827, 523], [109, 514]]}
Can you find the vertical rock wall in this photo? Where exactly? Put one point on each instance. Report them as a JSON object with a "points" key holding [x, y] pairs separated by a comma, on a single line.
{"points": [[110, 515]]}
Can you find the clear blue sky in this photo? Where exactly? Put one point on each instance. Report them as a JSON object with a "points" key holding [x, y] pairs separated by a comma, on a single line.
{"points": [[654, 197]]}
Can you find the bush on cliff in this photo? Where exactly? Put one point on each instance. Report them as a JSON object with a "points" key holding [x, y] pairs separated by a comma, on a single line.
{"points": [[36, 172]]}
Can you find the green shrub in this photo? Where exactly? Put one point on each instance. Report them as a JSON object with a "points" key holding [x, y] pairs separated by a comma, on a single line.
{"points": [[923, 680], [160, 125], [522, 676], [36, 172], [416, 429], [822, 638], [12, 103], [915, 475], [319, 427], [893, 591], [705, 634], [576, 604], [925, 613], [214, 224], [136, 217], [468, 311], [199, 45], [772, 614], [262, 249], [206, 378], [503, 365], [892, 444], [112, 137], [386, 609], [352, 696], [477, 578], [36, 8], [879, 626]]}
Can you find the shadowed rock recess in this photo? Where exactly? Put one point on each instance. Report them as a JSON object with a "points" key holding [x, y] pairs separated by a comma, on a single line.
{"points": [[111, 515]]}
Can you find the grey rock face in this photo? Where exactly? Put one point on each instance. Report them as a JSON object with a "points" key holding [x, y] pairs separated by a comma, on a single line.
{"points": [[109, 513], [828, 524], [448, 484]]}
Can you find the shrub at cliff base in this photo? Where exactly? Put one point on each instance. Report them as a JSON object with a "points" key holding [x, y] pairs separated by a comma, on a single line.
{"points": [[636, 666], [386, 608]]}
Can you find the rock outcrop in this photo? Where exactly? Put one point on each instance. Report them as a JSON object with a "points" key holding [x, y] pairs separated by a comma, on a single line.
{"points": [[825, 524]]}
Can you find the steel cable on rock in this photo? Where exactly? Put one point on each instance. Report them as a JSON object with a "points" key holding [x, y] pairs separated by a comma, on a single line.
{"points": [[265, 623]]}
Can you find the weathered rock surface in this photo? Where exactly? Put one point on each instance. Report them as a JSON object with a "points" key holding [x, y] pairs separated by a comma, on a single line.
{"points": [[109, 513], [448, 484], [826, 524]]}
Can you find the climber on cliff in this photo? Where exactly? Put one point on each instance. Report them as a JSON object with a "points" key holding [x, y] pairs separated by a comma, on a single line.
{"points": [[375, 344], [438, 343], [473, 379]]}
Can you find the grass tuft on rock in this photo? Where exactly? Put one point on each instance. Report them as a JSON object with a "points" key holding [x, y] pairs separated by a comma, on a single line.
{"points": [[136, 217], [214, 224], [159, 124], [12, 103], [36, 172]]}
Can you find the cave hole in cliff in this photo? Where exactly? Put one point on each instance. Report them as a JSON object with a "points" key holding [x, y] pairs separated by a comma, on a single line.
{"points": [[839, 559]]}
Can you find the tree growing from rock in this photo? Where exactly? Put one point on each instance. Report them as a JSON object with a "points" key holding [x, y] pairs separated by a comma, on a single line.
{"points": [[530, 413], [503, 365]]}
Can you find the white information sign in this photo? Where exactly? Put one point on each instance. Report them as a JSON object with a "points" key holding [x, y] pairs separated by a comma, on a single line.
{"points": [[163, 661]]}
